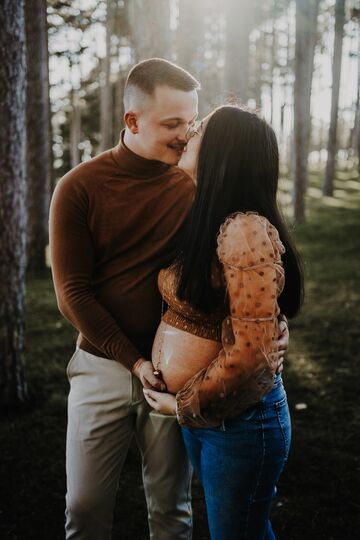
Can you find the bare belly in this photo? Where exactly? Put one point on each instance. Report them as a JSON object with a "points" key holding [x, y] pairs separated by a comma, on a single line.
{"points": [[179, 355]]}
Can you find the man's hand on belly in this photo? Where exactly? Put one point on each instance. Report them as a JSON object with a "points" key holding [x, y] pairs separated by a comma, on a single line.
{"points": [[144, 370]]}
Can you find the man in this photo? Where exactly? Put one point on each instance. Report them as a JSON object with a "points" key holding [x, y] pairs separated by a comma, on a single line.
{"points": [[113, 224]]}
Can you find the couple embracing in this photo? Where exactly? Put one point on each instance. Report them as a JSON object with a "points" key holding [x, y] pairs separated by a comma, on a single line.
{"points": [[171, 259]]}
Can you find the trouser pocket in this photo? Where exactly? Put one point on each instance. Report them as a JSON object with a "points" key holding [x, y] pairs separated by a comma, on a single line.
{"points": [[283, 416], [70, 365]]}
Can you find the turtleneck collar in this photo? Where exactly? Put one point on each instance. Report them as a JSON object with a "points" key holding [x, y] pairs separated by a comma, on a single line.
{"points": [[136, 166]]}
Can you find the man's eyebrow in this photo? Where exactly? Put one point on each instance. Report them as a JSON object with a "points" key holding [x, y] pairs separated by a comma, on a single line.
{"points": [[178, 119], [173, 118]]}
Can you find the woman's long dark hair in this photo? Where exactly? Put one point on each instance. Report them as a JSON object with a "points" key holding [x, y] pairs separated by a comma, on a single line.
{"points": [[237, 171]]}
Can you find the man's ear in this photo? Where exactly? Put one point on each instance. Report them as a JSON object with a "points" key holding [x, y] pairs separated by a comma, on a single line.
{"points": [[130, 119]]}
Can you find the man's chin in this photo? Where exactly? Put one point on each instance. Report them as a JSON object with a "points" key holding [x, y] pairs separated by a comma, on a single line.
{"points": [[172, 158]]}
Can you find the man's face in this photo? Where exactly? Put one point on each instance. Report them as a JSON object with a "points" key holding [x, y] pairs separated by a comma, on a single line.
{"points": [[164, 123]]}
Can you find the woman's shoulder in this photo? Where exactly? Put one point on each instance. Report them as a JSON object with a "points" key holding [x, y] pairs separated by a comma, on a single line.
{"points": [[167, 278], [248, 221], [249, 238]]}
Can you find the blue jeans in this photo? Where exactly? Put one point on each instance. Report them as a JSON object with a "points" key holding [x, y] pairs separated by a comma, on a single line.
{"points": [[239, 465]]}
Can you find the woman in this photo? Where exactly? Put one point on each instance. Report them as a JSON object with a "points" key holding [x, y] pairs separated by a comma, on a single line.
{"points": [[216, 344]]}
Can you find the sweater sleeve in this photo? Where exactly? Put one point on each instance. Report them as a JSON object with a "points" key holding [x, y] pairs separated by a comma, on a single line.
{"points": [[72, 263], [250, 251]]}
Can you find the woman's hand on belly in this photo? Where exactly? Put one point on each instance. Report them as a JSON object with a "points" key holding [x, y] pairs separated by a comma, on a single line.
{"points": [[162, 402]]}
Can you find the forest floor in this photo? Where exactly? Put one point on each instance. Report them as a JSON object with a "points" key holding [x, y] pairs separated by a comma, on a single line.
{"points": [[318, 495]]}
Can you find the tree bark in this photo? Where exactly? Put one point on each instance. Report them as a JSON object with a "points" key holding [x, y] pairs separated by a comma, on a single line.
{"points": [[150, 29], [190, 37], [13, 389], [357, 111], [239, 22], [106, 108], [256, 87], [119, 106], [271, 70], [50, 127], [328, 186], [38, 141], [356, 136], [306, 24], [75, 128], [120, 29]]}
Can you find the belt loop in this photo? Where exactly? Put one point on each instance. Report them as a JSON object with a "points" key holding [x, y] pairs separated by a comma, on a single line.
{"points": [[223, 428]]}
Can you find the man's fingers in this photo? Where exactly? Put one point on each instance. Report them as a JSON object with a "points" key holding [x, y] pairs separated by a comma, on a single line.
{"points": [[275, 357], [282, 327], [283, 340], [149, 380], [153, 382], [146, 384], [279, 364]]}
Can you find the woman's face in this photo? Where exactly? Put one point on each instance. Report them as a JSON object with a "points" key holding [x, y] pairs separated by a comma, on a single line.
{"points": [[189, 157]]}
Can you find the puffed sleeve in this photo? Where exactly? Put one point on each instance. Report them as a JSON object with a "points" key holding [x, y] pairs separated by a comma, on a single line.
{"points": [[249, 250]]}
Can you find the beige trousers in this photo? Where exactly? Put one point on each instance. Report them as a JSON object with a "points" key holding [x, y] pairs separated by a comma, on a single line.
{"points": [[106, 408]]}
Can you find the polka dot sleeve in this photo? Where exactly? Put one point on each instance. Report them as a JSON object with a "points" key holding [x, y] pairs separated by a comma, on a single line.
{"points": [[249, 250]]}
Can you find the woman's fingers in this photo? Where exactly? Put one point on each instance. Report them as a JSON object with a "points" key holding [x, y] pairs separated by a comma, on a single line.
{"points": [[151, 401], [162, 402], [152, 393], [150, 397]]}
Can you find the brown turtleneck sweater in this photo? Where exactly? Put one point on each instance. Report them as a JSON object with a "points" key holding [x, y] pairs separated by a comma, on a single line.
{"points": [[113, 225]]}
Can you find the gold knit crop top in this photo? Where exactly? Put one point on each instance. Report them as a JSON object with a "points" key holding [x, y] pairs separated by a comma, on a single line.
{"points": [[180, 314]]}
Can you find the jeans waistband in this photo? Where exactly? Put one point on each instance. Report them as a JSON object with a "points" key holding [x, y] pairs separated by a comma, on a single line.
{"points": [[276, 393], [277, 380]]}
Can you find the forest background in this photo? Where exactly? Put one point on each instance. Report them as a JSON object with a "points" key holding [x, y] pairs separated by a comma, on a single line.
{"points": [[62, 71]]}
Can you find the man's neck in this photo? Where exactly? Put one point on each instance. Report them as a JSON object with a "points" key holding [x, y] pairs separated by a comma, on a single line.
{"points": [[130, 143]]}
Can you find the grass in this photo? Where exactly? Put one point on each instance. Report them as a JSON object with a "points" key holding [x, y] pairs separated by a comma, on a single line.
{"points": [[318, 492], [318, 495]]}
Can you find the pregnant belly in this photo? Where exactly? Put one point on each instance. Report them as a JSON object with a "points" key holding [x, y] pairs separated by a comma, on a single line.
{"points": [[179, 355]]}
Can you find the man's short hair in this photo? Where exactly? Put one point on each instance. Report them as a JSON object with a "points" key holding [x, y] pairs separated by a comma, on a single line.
{"points": [[149, 74]]}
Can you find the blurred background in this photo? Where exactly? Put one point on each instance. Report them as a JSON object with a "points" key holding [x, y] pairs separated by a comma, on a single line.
{"points": [[63, 65]]}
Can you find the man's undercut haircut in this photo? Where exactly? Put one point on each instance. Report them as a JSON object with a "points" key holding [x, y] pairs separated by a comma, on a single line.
{"points": [[145, 76]]}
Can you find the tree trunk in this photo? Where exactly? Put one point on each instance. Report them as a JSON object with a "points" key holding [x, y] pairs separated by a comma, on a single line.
{"points": [[119, 105], [357, 113], [75, 129], [38, 142], [190, 37], [150, 29], [328, 186], [356, 135], [272, 68], [239, 22], [106, 109], [120, 28], [13, 389], [50, 128], [306, 24], [257, 77]]}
